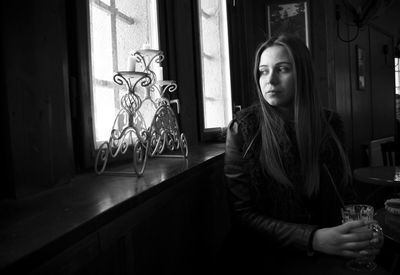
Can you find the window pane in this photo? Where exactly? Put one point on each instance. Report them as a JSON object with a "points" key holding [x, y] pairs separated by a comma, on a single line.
{"points": [[118, 28], [103, 110], [102, 66], [215, 63]]}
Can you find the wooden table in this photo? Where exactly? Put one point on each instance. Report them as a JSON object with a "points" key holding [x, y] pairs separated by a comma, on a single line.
{"points": [[383, 175]]}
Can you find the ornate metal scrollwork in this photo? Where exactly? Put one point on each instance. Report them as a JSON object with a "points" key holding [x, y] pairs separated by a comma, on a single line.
{"points": [[129, 129]]}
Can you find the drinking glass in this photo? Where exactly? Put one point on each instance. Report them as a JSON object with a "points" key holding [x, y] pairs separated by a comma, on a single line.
{"points": [[365, 212]]}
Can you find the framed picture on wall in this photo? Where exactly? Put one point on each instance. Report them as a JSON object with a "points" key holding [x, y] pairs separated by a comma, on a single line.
{"points": [[289, 17], [360, 68]]}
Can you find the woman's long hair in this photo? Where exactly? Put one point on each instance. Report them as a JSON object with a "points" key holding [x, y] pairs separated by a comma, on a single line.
{"points": [[311, 126]]}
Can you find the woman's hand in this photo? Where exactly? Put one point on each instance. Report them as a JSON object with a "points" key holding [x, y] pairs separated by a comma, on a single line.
{"points": [[351, 239]]}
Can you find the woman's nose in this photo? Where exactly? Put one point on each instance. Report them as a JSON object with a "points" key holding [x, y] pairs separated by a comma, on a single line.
{"points": [[272, 78]]}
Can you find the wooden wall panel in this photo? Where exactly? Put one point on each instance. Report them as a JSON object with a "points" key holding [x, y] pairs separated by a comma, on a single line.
{"points": [[342, 89], [78, 259], [368, 114], [319, 47], [179, 231], [35, 58], [382, 84], [360, 99]]}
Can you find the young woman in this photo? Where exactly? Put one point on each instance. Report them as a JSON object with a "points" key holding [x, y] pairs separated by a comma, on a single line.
{"points": [[286, 168]]}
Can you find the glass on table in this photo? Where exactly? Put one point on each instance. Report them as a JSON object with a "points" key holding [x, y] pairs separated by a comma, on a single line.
{"points": [[364, 212]]}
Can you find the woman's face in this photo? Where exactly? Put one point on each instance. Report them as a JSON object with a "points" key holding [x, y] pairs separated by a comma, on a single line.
{"points": [[277, 80]]}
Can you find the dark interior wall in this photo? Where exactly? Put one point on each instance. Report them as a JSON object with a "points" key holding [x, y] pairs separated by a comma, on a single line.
{"points": [[320, 18], [368, 114], [382, 83], [360, 99], [35, 63], [388, 20], [7, 169], [341, 76]]}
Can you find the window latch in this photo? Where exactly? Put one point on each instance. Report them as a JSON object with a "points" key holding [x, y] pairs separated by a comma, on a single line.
{"points": [[237, 108]]}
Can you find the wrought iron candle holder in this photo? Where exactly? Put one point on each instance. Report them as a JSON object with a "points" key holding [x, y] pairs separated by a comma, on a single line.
{"points": [[130, 132]]}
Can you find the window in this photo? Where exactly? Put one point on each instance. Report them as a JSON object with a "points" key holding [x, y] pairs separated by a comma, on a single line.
{"points": [[217, 106], [117, 28]]}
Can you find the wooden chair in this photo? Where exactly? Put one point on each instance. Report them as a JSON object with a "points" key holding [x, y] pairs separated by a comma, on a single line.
{"points": [[374, 151], [380, 152], [391, 156], [388, 150]]}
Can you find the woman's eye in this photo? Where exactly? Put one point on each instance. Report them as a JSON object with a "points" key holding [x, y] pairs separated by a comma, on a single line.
{"points": [[263, 72], [284, 69]]}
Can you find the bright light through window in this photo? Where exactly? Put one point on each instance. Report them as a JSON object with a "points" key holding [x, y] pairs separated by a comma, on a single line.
{"points": [[117, 28], [215, 63]]}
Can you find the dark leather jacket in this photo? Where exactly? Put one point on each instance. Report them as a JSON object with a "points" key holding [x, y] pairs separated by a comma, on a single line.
{"points": [[278, 216]]}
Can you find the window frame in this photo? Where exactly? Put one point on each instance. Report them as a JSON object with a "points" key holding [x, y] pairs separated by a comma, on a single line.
{"points": [[81, 89], [80, 77], [176, 40], [217, 133]]}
